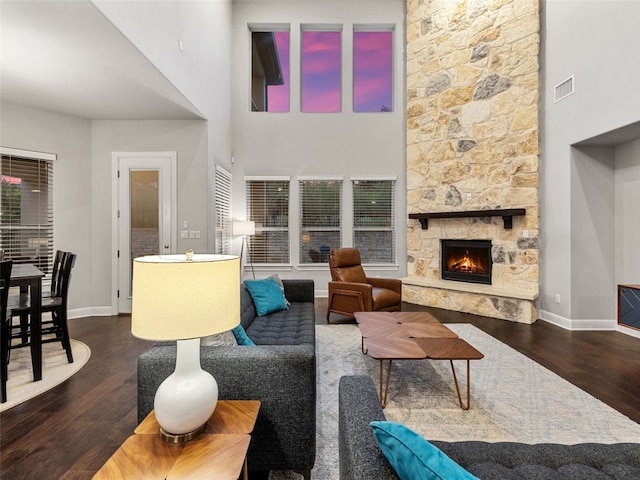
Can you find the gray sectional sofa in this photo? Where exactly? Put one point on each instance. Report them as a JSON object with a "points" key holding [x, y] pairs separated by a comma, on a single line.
{"points": [[361, 459], [280, 371]]}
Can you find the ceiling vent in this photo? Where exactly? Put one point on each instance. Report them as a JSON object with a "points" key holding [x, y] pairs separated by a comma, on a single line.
{"points": [[563, 90]]}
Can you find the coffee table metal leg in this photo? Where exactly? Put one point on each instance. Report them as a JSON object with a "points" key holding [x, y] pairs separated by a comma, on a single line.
{"points": [[455, 379], [383, 399]]}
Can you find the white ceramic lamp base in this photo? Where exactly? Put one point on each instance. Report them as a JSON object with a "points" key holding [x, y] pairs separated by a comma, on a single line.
{"points": [[187, 398]]}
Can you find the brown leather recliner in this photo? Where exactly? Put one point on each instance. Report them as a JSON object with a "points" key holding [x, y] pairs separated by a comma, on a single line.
{"points": [[352, 291]]}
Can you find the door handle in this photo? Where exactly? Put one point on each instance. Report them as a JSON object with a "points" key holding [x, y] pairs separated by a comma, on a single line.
{"points": [[166, 246]]}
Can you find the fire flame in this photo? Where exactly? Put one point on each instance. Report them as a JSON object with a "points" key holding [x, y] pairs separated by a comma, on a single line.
{"points": [[467, 265]]}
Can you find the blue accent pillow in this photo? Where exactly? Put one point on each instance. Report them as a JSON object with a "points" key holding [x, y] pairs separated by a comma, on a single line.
{"points": [[412, 457], [267, 296], [241, 337]]}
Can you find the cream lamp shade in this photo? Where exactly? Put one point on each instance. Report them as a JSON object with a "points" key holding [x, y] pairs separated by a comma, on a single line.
{"points": [[244, 228], [176, 299]]}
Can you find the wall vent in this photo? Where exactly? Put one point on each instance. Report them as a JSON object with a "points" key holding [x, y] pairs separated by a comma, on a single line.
{"points": [[563, 90]]}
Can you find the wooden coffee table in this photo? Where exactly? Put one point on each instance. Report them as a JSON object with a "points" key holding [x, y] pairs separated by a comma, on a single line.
{"points": [[220, 452], [413, 336]]}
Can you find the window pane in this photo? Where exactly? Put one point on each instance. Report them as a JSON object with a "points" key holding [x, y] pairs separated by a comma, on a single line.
{"points": [[374, 220], [145, 213], [270, 71], [320, 219], [269, 246], [321, 57], [268, 207], [26, 210], [375, 246], [372, 72]]}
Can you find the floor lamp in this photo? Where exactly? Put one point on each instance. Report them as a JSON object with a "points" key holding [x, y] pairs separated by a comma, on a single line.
{"points": [[245, 229]]}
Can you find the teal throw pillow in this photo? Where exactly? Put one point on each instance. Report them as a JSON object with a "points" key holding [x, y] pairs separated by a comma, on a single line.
{"points": [[241, 337], [267, 296], [412, 457]]}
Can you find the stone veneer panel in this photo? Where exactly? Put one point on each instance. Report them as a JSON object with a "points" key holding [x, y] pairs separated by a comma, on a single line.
{"points": [[472, 143]]}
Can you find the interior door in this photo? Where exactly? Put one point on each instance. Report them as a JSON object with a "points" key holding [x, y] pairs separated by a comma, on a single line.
{"points": [[146, 217]]}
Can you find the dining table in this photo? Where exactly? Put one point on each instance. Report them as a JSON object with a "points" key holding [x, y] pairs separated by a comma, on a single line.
{"points": [[29, 277]]}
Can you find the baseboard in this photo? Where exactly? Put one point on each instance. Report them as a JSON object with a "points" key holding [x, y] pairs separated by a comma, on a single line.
{"points": [[90, 312], [576, 323], [634, 332]]}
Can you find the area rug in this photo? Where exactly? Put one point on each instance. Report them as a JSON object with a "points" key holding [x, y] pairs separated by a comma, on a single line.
{"points": [[513, 398], [55, 370]]}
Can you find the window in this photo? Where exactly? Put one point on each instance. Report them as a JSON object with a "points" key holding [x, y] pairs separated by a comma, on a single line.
{"points": [[373, 220], [268, 207], [320, 219], [372, 71], [321, 72], [270, 71], [26, 207], [223, 211]]}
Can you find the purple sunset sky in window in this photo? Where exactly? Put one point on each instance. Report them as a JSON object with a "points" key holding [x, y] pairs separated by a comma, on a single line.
{"points": [[372, 71], [321, 72]]}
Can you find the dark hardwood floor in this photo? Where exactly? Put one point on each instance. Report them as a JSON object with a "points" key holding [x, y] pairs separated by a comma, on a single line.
{"points": [[70, 431]]}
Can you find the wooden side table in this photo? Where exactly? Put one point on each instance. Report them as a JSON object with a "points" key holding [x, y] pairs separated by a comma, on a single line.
{"points": [[220, 452]]}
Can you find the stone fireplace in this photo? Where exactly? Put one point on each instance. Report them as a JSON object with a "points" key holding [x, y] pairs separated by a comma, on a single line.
{"points": [[472, 151]]}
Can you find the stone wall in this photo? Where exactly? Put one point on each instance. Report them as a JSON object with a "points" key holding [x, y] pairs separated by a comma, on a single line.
{"points": [[472, 144]]}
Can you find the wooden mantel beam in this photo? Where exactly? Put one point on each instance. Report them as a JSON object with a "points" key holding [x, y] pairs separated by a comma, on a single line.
{"points": [[506, 214]]}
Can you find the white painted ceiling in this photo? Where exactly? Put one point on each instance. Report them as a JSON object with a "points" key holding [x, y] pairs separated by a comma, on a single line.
{"points": [[65, 56]]}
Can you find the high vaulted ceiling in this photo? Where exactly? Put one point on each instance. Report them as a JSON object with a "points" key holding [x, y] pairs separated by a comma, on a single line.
{"points": [[67, 57]]}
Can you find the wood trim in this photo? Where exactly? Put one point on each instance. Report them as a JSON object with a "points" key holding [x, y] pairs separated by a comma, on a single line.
{"points": [[506, 214]]}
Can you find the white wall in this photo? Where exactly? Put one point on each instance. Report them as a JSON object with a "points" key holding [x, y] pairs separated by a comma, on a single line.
{"points": [[593, 235], [82, 197], [189, 139], [599, 42], [627, 218], [302, 144], [201, 70], [70, 139]]}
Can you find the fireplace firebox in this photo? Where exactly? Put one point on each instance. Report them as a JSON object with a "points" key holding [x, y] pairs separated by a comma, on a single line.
{"points": [[466, 260]]}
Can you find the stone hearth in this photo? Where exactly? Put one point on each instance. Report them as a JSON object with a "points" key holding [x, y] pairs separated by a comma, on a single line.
{"points": [[472, 144]]}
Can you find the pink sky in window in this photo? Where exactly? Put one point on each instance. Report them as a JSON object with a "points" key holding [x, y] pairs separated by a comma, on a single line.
{"points": [[372, 71], [321, 72], [278, 95]]}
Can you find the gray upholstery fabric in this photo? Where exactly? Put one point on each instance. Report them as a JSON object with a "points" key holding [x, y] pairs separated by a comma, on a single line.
{"points": [[360, 457], [294, 326], [282, 377]]}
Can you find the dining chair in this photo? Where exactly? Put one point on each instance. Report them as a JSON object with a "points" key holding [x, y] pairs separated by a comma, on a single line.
{"points": [[19, 301], [5, 327], [56, 328]]}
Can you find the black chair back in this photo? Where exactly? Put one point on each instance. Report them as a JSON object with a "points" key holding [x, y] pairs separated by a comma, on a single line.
{"points": [[5, 326], [56, 275], [5, 280], [62, 286]]}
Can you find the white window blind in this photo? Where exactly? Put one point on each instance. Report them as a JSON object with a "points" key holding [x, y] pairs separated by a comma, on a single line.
{"points": [[223, 211], [268, 207], [374, 220], [320, 219], [26, 207]]}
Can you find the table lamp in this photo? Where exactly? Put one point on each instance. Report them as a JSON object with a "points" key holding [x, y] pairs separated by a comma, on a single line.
{"points": [[175, 298]]}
